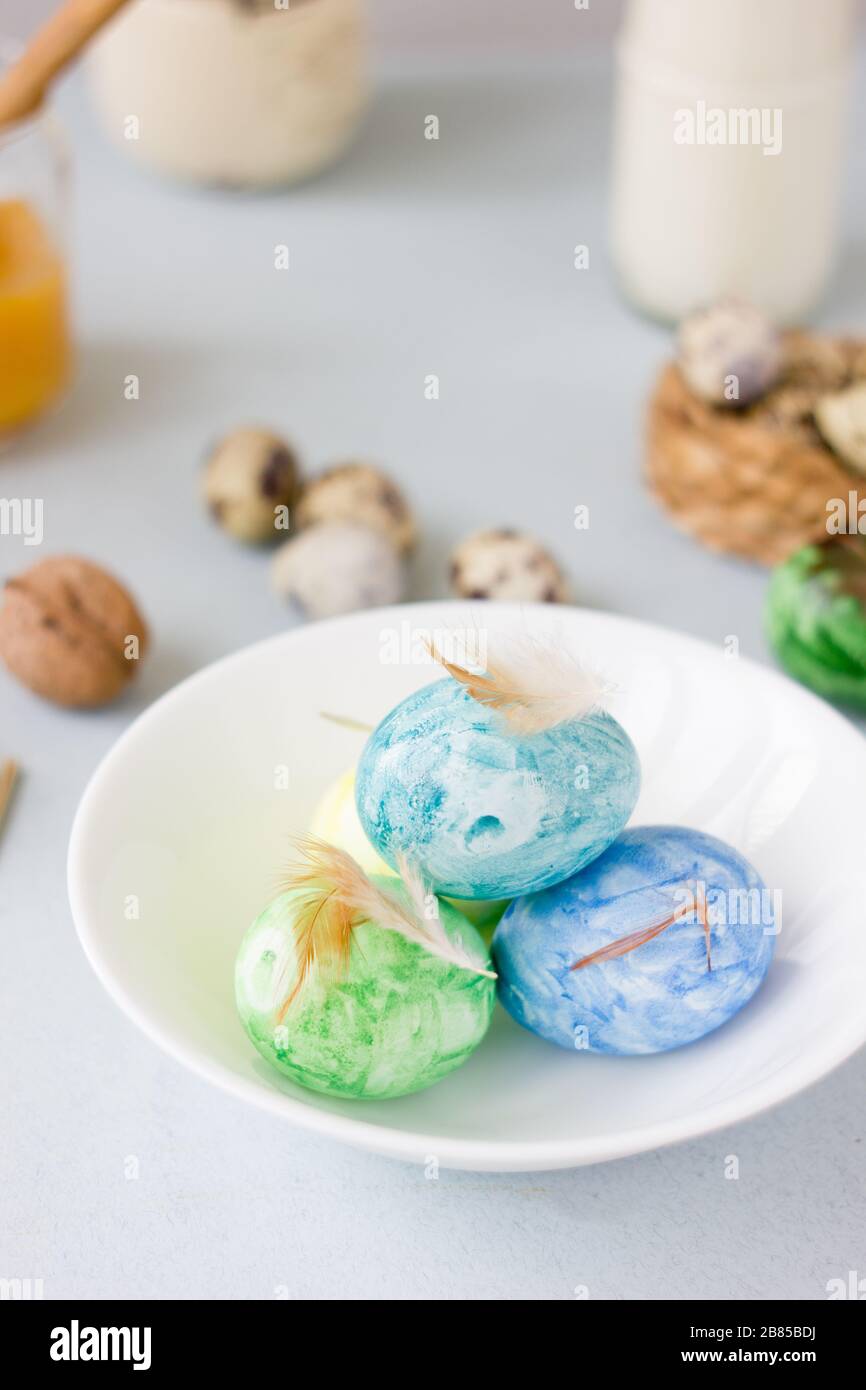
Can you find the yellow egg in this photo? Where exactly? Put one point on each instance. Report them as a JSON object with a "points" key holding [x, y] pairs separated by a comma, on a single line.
{"points": [[335, 820]]}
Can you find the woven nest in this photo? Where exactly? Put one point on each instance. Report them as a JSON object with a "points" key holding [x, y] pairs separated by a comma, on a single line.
{"points": [[754, 482]]}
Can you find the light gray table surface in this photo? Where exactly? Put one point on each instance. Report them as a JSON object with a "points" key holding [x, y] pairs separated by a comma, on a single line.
{"points": [[412, 258]]}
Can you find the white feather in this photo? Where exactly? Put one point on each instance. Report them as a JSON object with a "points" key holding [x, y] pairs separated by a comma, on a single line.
{"points": [[534, 684], [423, 924]]}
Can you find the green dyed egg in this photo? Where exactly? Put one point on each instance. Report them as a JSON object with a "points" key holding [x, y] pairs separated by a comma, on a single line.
{"points": [[816, 617], [396, 1020]]}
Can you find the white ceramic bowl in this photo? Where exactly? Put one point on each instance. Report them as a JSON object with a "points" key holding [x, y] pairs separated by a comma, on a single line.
{"points": [[188, 815]]}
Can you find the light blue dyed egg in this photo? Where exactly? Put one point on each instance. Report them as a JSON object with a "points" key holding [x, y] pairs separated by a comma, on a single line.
{"points": [[660, 994], [486, 813]]}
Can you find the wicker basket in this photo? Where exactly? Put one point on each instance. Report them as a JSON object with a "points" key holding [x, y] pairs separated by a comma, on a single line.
{"points": [[754, 482]]}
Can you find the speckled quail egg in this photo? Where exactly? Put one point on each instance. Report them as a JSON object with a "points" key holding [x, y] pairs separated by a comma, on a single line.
{"points": [[361, 493], [338, 567], [505, 564], [729, 353], [250, 480]]}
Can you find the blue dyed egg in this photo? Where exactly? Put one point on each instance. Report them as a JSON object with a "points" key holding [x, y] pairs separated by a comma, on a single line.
{"points": [[657, 976], [485, 812]]}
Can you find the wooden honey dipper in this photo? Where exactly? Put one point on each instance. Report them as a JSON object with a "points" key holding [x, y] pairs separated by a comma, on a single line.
{"points": [[56, 44]]}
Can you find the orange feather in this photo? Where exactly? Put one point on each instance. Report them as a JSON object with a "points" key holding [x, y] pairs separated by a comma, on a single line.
{"points": [[336, 896]]}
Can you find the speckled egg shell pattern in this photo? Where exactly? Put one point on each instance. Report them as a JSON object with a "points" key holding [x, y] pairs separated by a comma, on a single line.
{"points": [[660, 995], [486, 813], [399, 1020]]}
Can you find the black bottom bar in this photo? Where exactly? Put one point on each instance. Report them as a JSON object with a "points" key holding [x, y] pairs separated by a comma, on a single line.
{"points": [[260, 1339]]}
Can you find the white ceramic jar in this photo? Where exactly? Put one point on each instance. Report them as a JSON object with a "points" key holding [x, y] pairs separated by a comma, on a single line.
{"points": [[728, 151], [245, 93]]}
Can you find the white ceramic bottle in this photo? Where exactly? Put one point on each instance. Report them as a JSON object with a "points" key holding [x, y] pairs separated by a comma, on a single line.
{"points": [[246, 93], [729, 151]]}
